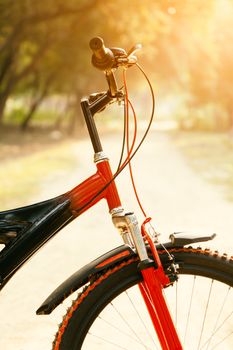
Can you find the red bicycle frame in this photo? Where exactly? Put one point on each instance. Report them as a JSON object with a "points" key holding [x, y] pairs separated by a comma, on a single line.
{"points": [[92, 190]]}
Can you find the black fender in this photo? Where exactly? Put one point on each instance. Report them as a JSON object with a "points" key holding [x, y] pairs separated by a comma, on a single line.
{"points": [[81, 277], [107, 260]]}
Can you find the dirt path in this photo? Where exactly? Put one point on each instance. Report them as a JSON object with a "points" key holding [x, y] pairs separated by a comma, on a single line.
{"points": [[173, 195]]}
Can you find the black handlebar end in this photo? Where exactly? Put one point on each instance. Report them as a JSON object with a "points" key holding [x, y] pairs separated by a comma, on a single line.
{"points": [[96, 44], [102, 57]]}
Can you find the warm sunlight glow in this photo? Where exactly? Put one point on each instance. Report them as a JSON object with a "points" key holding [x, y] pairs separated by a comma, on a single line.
{"points": [[171, 10]]}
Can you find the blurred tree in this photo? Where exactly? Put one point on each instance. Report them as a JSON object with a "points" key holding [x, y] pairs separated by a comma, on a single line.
{"points": [[44, 47], [224, 38], [202, 33], [32, 36], [48, 42]]}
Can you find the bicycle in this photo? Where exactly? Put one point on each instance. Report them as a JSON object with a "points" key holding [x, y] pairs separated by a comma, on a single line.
{"points": [[109, 284]]}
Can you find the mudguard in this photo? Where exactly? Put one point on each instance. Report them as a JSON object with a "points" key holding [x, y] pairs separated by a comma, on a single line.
{"points": [[81, 277]]}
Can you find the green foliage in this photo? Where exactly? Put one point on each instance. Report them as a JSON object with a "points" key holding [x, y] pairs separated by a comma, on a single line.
{"points": [[209, 117], [15, 116], [17, 187], [41, 117]]}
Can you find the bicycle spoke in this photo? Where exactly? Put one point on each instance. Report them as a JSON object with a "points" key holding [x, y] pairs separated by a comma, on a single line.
{"points": [[216, 328], [221, 325], [118, 329], [107, 341], [189, 309], [128, 325], [176, 315], [226, 337], [205, 314], [141, 320]]}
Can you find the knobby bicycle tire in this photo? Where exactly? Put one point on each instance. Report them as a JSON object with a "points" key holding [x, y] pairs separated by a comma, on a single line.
{"points": [[199, 326]]}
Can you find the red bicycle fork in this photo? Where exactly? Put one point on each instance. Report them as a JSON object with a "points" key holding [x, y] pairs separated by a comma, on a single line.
{"points": [[154, 280], [151, 291]]}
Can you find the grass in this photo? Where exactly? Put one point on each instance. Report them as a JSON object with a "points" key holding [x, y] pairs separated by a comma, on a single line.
{"points": [[21, 177], [211, 155]]}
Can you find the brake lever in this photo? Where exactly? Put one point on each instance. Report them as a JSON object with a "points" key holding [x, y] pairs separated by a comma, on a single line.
{"points": [[134, 49], [130, 58], [124, 58]]}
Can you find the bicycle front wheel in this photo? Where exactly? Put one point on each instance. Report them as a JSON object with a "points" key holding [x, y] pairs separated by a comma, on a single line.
{"points": [[110, 314]]}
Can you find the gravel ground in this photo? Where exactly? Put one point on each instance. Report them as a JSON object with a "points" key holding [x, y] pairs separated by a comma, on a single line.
{"points": [[176, 197]]}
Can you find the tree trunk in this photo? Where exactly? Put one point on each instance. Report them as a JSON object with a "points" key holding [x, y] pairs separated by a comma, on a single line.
{"points": [[3, 99], [30, 114], [37, 101], [230, 117], [76, 121], [229, 114], [4, 95]]}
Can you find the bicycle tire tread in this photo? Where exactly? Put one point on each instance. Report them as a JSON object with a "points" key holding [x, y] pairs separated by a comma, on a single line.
{"points": [[81, 296], [97, 279]]}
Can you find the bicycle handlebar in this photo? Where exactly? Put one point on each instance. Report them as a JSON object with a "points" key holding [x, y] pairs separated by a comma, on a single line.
{"points": [[107, 59]]}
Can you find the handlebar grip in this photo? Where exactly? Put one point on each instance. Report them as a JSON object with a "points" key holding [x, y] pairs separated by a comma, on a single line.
{"points": [[102, 58], [98, 48]]}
